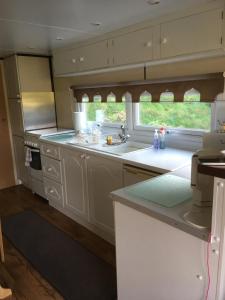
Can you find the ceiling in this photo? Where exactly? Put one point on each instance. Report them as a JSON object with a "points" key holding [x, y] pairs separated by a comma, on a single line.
{"points": [[35, 26]]}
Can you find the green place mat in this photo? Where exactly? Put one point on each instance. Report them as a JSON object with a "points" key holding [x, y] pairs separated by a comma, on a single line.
{"points": [[166, 190]]}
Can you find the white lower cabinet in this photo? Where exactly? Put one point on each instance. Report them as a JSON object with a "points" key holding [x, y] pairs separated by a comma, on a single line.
{"points": [[74, 182], [103, 176], [87, 183], [157, 261]]}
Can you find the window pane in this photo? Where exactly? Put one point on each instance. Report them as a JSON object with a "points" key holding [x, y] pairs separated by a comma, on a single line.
{"points": [[176, 115], [112, 112]]}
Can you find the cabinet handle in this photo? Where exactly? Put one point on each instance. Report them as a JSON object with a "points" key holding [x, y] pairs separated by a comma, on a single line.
{"points": [[74, 60], [81, 59], [148, 44], [164, 41], [51, 191]]}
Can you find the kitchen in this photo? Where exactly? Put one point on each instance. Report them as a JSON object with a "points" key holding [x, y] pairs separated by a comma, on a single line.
{"points": [[102, 112]]}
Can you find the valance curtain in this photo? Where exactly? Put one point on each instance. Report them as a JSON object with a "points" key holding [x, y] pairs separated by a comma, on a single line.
{"points": [[208, 88]]}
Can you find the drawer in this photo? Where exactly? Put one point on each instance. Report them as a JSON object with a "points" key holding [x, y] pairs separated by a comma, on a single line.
{"points": [[53, 191], [51, 168], [38, 187], [50, 151]]}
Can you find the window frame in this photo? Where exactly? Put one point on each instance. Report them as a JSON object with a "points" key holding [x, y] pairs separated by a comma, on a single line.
{"points": [[149, 128], [132, 116]]}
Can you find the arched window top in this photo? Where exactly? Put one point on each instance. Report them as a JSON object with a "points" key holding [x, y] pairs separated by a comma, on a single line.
{"points": [[145, 97], [85, 98], [192, 95], [97, 98], [167, 96], [127, 97], [111, 97]]}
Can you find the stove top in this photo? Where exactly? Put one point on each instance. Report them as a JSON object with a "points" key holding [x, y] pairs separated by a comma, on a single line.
{"points": [[46, 131]]}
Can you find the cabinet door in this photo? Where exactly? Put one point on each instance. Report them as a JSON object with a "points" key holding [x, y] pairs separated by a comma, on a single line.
{"points": [[16, 117], [134, 47], [19, 152], [94, 56], [11, 77], [103, 176], [197, 33], [163, 262], [66, 61], [74, 182], [34, 74]]}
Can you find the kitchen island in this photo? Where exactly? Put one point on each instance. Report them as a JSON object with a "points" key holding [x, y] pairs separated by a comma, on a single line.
{"points": [[159, 255]]}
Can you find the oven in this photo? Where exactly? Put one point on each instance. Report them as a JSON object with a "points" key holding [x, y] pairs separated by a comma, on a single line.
{"points": [[33, 163]]}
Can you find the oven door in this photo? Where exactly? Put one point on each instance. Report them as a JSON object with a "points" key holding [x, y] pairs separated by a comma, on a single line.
{"points": [[35, 164]]}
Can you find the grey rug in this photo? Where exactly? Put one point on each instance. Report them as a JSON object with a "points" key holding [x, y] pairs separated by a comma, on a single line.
{"points": [[74, 271]]}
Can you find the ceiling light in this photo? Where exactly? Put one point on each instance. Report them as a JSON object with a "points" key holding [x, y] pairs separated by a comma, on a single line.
{"points": [[153, 2], [96, 24], [59, 38]]}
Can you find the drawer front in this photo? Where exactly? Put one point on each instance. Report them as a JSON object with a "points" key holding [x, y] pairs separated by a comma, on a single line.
{"points": [[50, 151], [51, 168], [54, 191]]}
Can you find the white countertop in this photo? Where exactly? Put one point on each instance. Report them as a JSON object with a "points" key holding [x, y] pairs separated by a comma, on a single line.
{"points": [[160, 161], [170, 215]]}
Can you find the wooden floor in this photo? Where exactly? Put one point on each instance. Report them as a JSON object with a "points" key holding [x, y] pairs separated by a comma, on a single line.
{"points": [[16, 272]]}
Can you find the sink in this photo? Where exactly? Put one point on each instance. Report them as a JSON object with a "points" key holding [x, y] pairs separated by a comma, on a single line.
{"points": [[121, 149], [118, 149], [60, 137]]}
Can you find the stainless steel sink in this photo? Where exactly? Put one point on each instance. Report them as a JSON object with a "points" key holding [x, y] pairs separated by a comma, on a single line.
{"points": [[120, 149]]}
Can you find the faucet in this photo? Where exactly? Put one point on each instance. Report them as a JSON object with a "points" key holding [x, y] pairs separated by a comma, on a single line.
{"points": [[124, 136]]}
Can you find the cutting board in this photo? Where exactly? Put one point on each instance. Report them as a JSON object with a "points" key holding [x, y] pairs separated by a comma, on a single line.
{"points": [[167, 190]]}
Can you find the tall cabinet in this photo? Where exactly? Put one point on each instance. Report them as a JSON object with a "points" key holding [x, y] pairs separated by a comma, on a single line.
{"points": [[23, 74]]}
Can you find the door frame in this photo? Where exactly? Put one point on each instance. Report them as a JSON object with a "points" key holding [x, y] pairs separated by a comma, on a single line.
{"points": [[8, 118]]}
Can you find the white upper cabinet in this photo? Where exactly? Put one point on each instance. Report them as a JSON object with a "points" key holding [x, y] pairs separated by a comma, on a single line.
{"points": [[66, 61], [26, 74], [94, 56], [181, 36], [34, 74], [192, 34], [134, 47]]}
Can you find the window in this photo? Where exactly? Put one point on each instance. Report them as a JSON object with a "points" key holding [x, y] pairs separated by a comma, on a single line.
{"points": [[190, 114], [110, 112]]}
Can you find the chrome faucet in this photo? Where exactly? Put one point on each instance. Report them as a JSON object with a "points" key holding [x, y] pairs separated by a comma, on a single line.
{"points": [[124, 136]]}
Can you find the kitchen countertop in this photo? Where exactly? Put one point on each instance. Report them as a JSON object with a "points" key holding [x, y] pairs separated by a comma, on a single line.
{"points": [[170, 215], [170, 161], [159, 161]]}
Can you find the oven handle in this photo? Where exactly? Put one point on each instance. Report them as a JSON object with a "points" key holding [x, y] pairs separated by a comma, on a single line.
{"points": [[35, 150]]}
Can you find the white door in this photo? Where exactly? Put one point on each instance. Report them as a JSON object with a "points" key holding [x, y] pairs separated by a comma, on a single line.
{"points": [[196, 33], [134, 47], [103, 176], [74, 182]]}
